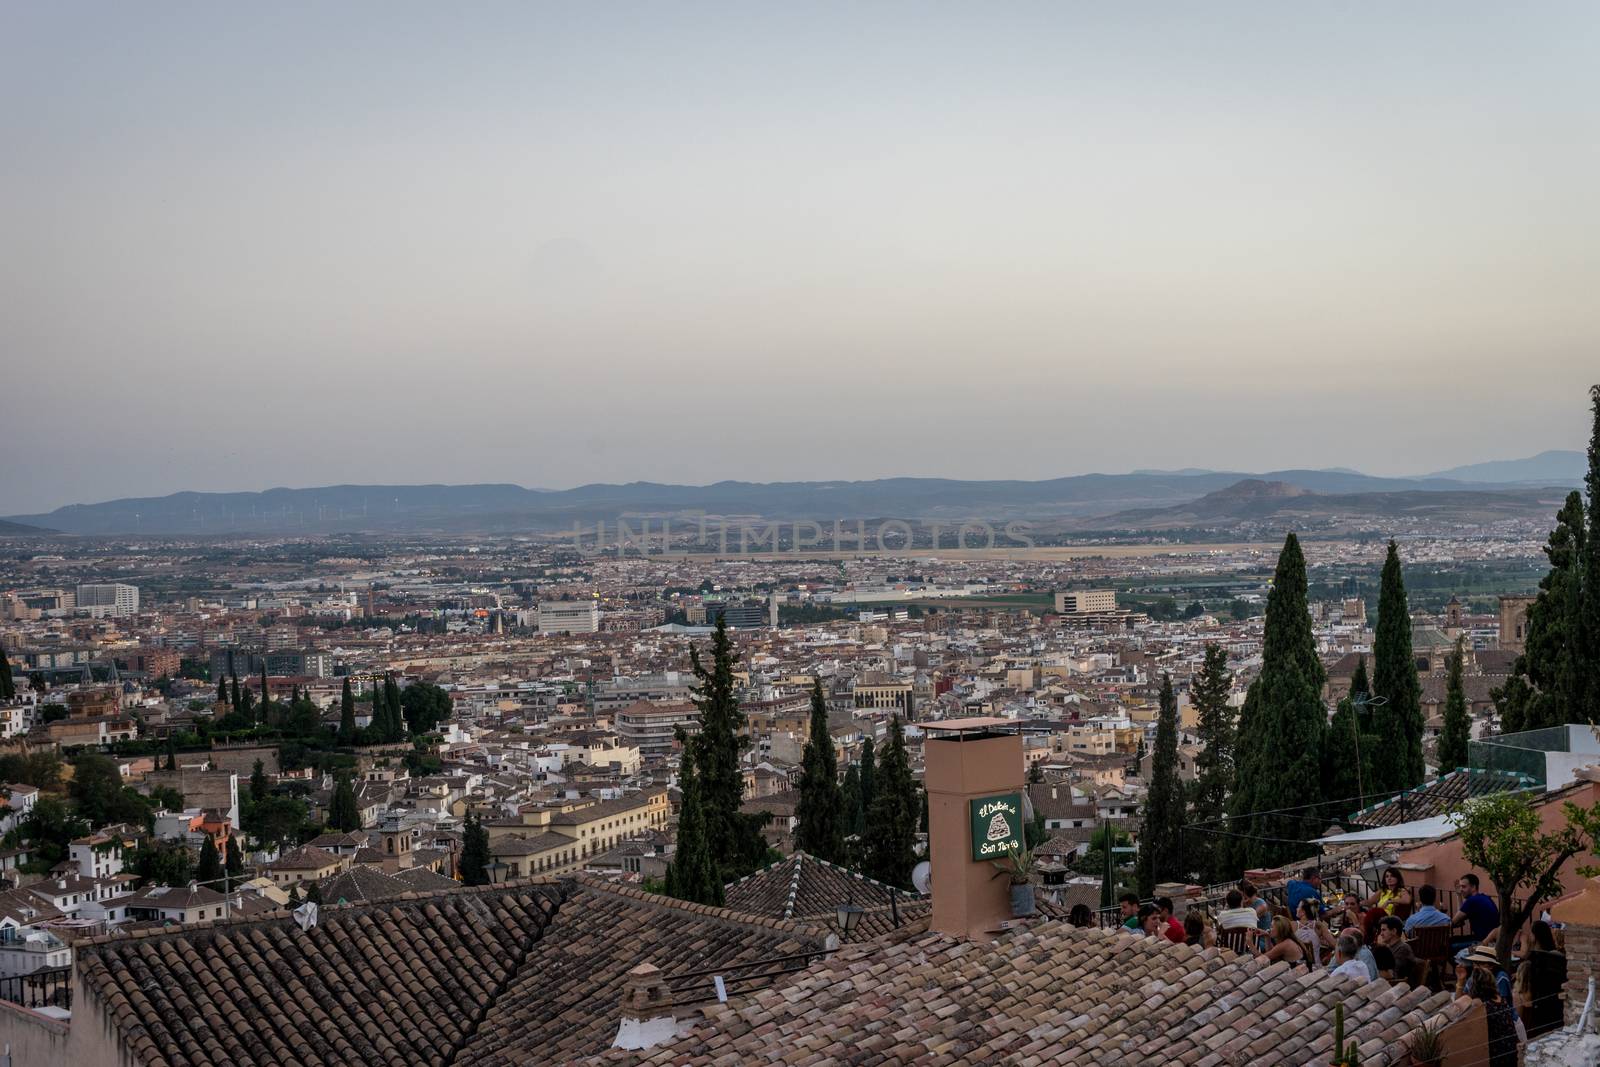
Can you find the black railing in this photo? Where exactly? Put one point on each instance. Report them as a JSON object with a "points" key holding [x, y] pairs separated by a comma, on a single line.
{"points": [[41, 989], [695, 987]]}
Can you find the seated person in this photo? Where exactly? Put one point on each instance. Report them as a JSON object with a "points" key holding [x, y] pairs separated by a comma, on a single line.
{"points": [[1477, 913], [1427, 914]]}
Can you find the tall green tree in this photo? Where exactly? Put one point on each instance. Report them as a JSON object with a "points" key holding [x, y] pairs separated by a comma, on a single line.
{"points": [[1398, 763], [475, 857], [344, 814], [1281, 729], [258, 782], [819, 828], [869, 777], [891, 838], [234, 703], [692, 872], [1161, 846], [425, 706], [266, 695], [209, 869], [1215, 729], [1546, 685], [8, 685], [222, 689], [1360, 687], [234, 864], [855, 816], [347, 714], [394, 721], [734, 838], [1589, 609], [1457, 730], [172, 754]]}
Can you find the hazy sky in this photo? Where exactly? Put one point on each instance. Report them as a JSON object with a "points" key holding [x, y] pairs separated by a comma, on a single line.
{"points": [[282, 244]]}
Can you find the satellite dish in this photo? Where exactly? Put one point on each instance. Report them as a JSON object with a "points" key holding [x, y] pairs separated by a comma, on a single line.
{"points": [[922, 877]]}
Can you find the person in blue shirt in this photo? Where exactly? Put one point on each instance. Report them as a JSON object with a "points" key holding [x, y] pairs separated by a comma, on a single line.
{"points": [[1307, 887], [1427, 914], [1477, 911]]}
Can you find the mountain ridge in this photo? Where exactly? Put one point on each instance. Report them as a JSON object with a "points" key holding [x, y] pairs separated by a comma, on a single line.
{"points": [[504, 506]]}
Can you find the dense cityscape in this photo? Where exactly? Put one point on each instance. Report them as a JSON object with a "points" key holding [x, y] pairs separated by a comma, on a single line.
{"points": [[1030, 534], [250, 746]]}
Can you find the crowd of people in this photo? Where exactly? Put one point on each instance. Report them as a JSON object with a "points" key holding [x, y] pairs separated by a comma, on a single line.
{"points": [[1375, 939]]}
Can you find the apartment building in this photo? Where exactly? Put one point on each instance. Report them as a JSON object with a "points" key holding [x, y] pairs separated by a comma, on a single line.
{"points": [[569, 617], [108, 599], [651, 728]]}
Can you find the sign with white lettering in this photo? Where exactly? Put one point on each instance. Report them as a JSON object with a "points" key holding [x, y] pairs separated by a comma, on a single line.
{"points": [[996, 826]]}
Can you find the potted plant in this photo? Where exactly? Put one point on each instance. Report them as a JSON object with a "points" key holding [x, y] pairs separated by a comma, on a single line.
{"points": [[1427, 1046], [1343, 1055], [1018, 866]]}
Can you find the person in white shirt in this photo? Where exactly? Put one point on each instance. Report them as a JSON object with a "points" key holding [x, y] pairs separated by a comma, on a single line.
{"points": [[1349, 965], [1236, 915]]}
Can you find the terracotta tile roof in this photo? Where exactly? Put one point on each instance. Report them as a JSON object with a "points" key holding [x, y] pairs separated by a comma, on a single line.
{"points": [[565, 1001], [1440, 796], [804, 887], [1049, 995], [525, 973]]}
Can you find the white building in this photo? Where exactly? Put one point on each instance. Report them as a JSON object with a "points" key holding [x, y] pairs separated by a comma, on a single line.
{"points": [[569, 617], [109, 598], [1086, 601]]}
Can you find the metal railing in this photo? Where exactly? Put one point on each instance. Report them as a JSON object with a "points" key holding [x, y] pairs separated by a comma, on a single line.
{"points": [[41, 989]]}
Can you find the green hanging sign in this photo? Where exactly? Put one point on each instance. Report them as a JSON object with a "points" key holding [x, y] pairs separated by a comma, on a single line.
{"points": [[996, 826]]}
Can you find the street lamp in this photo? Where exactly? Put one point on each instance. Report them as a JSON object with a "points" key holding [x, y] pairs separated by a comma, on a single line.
{"points": [[497, 872], [849, 916]]}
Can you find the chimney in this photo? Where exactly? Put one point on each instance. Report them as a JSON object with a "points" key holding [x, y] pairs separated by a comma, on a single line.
{"points": [[975, 779], [647, 1019]]}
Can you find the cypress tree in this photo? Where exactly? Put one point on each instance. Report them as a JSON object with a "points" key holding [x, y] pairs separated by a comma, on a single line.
{"points": [[891, 836], [1348, 757], [266, 694], [732, 837], [235, 702], [855, 816], [1398, 721], [869, 778], [172, 754], [1281, 729], [475, 858], [347, 714], [8, 685], [234, 864], [1214, 766], [1588, 687], [344, 814], [691, 874], [1161, 835], [1360, 687], [314, 894], [209, 868], [396, 718], [820, 824], [222, 689], [1457, 730], [258, 782]]}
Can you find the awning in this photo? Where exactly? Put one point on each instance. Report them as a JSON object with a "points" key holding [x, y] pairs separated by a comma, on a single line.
{"points": [[1416, 830]]}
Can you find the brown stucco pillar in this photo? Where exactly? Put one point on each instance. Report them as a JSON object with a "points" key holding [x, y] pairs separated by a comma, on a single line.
{"points": [[970, 898]]}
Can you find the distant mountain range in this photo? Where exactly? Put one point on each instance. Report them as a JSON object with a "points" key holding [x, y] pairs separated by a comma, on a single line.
{"points": [[1282, 505], [1106, 499], [1560, 467]]}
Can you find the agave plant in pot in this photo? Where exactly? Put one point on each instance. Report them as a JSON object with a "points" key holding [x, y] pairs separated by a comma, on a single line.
{"points": [[1018, 865]]}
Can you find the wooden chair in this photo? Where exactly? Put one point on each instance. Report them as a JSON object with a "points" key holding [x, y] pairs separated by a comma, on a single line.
{"points": [[1237, 938], [1431, 946]]}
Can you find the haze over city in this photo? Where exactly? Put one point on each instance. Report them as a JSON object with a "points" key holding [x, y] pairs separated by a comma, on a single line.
{"points": [[311, 244]]}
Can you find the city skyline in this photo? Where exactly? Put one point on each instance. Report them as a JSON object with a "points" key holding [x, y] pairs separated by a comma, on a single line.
{"points": [[556, 247]]}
